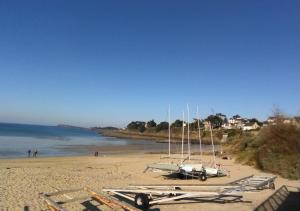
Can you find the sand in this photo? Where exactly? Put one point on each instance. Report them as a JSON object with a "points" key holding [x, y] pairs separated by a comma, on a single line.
{"points": [[21, 180]]}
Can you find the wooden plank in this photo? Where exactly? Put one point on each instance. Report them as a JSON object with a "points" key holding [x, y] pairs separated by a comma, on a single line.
{"points": [[52, 205], [114, 204], [51, 208]]}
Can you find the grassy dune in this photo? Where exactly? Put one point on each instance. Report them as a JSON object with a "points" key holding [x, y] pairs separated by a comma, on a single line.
{"points": [[275, 149]]}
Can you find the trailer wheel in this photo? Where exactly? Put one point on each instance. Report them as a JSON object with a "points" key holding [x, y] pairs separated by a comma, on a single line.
{"points": [[180, 175], [141, 201], [203, 177]]}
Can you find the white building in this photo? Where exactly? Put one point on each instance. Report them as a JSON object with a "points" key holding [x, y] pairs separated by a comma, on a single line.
{"points": [[250, 126]]}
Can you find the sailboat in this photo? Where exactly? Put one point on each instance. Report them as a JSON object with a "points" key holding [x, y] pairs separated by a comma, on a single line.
{"points": [[214, 170], [182, 169], [210, 171]]}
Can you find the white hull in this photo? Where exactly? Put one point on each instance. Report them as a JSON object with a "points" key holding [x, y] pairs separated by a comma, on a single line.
{"points": [[191, 167], [211, 171], [214, 172]]}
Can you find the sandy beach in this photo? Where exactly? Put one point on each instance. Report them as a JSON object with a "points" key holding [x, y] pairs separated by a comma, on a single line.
{"points": [[21, 180]]}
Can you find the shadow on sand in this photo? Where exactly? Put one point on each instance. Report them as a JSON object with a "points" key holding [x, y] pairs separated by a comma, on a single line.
{"points": [[282, 199], [176, 176]]}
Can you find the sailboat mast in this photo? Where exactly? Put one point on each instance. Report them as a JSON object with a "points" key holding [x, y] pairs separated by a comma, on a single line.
{"points": [[188, 131], [213, 146], [199, 133], [169, 133], [182, 139]]}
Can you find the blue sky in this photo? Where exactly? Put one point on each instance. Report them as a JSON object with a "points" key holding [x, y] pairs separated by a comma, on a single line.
{"points": [[109, 62]]}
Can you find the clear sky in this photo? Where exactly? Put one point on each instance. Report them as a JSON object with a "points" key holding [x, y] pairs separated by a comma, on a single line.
{"points": [[109, 62]]}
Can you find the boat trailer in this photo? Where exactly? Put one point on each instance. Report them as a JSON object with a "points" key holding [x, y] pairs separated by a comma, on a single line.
{"points": [[102, 198], [252, 182], [145, 196]]}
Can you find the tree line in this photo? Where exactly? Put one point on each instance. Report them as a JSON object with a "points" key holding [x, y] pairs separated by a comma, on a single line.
{"points": [[141, 126], [216, 121]]}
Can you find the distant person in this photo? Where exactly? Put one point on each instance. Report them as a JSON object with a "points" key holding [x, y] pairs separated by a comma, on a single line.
{"points": [[35, 153], [29, 153], [96, 154]]}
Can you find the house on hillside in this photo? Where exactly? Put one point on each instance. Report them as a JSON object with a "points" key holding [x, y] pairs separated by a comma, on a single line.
{"points": [[265, 124], [250, 126], [271, 120], [285, 120], [228, 126], [237, 122], [236, 119]]}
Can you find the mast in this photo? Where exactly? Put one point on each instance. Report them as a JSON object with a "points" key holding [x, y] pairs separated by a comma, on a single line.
{"points": [[188, 131], [169, 133], [213, 146], [199, 133], [182, 140]]}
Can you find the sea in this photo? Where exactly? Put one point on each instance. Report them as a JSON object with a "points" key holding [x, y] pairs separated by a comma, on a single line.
{"points": [[17, 139]]}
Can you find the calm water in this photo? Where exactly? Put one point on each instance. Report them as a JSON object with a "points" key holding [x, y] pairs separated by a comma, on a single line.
{"points": [[17, 139]]}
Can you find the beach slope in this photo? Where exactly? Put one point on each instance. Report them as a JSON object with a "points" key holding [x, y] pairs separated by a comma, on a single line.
{"points": [[21, 180]]}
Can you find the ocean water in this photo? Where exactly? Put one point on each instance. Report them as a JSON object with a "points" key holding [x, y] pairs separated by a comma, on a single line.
{"points": [[17, 139]]}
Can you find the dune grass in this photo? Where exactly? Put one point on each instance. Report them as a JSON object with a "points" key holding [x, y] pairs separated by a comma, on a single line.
{"points": [[275, 149]]}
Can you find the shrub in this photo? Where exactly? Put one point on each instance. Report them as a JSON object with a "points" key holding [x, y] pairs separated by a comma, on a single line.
{"points": [[162, 126], [151, 123], [137, 125], [275, 149]]}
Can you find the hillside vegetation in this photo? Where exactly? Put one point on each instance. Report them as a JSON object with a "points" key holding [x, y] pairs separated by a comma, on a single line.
{"points": [[162, 135], [275, 149]]}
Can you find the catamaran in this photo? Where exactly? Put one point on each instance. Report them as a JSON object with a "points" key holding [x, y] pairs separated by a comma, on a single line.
{"points": [[184, 169]]}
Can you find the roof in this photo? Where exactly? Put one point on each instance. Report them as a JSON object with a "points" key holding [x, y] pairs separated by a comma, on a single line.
{"points": [[250, 123]]}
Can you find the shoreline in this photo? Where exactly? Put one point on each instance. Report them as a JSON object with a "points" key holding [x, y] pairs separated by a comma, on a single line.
{"points": [[135, 147], [159, 137]]}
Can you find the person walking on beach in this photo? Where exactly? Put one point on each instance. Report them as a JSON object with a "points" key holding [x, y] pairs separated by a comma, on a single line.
{"points": [[35, 153], [29, 153]]}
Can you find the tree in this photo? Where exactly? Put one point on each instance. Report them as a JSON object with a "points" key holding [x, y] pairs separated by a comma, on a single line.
{"points": [[142, 127], [132, 126], [194, 124], [137, 125], [236, 116], [215, 121], [151, 123], [162, 126], [177, 123], [225, 121]]}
